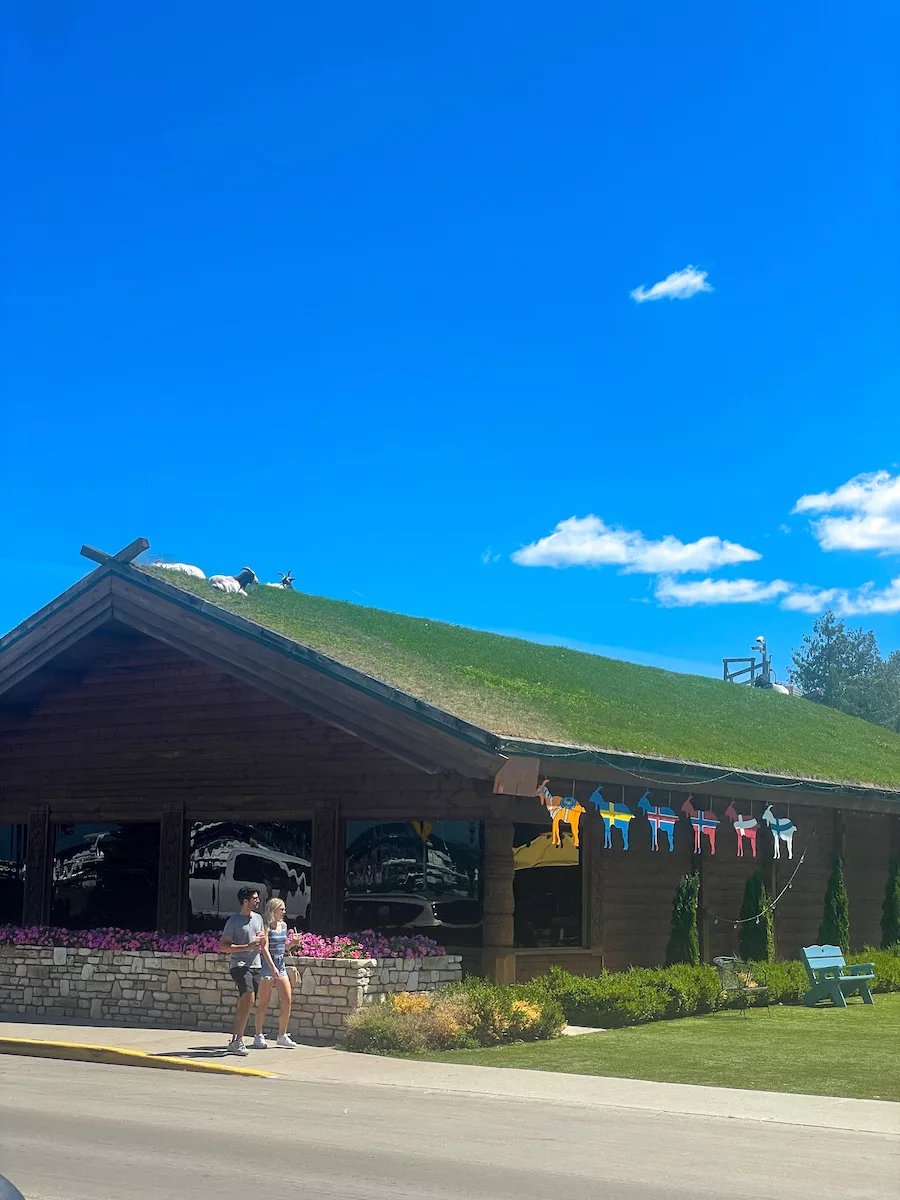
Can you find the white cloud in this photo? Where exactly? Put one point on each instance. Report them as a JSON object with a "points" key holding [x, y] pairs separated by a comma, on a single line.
{"points": [[873, 504], [590, 542], [680, 285], [847, 602], [674, 594]]}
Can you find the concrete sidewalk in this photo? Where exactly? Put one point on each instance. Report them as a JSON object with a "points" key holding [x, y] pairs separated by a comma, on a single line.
{"points": [[326, 1065]]}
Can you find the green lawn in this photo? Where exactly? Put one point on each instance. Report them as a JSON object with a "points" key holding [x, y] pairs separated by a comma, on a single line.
{"points": [[516, 688], [825, 1052]]}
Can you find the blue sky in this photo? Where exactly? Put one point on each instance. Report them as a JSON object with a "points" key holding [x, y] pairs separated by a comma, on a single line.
{"points": [[347, 289]]}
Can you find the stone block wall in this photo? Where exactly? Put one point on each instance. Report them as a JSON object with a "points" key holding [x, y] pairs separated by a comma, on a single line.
{"points": [[174, 991]]}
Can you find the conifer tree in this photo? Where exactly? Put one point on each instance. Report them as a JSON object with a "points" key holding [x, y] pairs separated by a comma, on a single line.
{"points": [[757, 936], [890, 910], [684, 940], [835, 927]]}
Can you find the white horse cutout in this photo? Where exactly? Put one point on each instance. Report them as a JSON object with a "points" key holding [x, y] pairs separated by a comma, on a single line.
{"points": [[782, 830]]}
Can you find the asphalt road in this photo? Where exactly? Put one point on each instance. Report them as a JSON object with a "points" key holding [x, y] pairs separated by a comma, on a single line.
{"points": [[78, 1131]]}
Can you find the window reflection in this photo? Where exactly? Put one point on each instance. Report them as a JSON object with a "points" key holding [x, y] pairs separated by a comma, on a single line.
{"points": [[273, 856], [415, 877], [547, 888], [105, 874], [12, 873]]}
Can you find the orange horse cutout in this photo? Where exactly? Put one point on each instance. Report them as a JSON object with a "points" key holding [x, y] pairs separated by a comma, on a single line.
{"points": [[560, 808]]}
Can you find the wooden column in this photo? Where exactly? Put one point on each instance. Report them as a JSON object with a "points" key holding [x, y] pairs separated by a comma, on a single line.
{"points": [[173, 901], [592, 831], [702, 919], [38, 867], [326, 911], [499, 957]]}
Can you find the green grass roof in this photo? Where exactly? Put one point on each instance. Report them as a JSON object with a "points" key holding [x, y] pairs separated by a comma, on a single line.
{"points": [[519, 689]]}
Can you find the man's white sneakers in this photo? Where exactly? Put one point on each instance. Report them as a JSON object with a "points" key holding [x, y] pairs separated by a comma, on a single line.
{"points": [[286, 1042], [237, 1046], [260, 1043]]}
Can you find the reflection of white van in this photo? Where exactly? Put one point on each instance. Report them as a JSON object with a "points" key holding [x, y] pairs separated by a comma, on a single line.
{"points": [[215, 881]]}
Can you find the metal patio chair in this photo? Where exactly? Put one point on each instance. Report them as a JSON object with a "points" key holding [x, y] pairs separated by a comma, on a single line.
{"points": [[736, 978]]}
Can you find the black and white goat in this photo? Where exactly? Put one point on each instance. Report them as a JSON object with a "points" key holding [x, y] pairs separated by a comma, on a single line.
{"points": [[182, 569], [287, 581], [239, 583]]}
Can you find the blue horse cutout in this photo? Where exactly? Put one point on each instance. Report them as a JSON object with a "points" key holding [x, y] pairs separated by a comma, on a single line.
{"points": [[615, 816], [661, 817]]}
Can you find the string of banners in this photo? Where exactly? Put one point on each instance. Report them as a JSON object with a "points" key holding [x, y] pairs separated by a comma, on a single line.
{"points": [[662, 820]]}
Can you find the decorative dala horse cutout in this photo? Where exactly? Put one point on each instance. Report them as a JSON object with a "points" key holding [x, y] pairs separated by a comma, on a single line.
{"points": [[782, 830], [614, 816], [660, 817], [745, 827], [560, 808], [704, 821]]}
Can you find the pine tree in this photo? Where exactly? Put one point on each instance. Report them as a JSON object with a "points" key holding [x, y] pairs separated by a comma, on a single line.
{"points": [[835, 927], [757, 937], [684, 941], [890, 910]]}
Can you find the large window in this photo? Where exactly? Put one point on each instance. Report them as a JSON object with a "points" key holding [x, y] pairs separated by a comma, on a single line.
{"points": [[12, 873], [415, 877], [105, 874], [273, 856], [548, 889]]}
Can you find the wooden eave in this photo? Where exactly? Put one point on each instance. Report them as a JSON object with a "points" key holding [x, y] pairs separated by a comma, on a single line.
{"points": [[399, 724]]}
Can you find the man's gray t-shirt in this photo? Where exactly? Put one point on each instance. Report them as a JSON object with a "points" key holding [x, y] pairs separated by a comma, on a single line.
{"points": [[243, 930]]}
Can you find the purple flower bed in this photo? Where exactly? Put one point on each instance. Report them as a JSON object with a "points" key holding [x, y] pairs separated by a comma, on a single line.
{"points": [[364, 944]]}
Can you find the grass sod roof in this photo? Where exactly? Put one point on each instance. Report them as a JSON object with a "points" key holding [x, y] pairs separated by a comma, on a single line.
{"points": [[549, 694]]}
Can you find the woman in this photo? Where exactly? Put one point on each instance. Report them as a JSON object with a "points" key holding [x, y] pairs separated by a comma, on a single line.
{"points": [[274, 973]]}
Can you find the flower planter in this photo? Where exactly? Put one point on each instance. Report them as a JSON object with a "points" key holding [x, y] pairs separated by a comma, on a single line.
{"points": [[181, 991]]}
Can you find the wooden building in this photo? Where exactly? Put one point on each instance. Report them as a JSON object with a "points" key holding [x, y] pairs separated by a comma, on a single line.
{"points": [[160, 743]]}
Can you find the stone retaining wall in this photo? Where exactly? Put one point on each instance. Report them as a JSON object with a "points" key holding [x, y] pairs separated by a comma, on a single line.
{"points": [[175, 991]]}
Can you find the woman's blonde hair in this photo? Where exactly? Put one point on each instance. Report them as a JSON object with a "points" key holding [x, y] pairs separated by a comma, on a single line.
{"points": [[272, 907]]}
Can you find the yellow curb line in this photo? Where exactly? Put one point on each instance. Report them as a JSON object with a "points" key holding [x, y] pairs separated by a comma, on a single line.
{"points": [[116, 1056]]}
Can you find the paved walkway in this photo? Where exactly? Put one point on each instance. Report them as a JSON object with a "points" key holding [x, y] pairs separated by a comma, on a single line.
{"points": [[309, 1063]]}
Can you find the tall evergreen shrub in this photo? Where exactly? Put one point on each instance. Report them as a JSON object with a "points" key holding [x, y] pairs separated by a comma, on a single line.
{"points": [[890, 910], [684, 941], [757, 937], [835, 927]]}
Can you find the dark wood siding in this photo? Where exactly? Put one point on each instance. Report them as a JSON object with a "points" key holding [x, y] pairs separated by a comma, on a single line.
{"points": [[144, 725]]}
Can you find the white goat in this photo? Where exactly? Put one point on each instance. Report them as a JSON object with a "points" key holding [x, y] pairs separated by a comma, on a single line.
{"points": [[182, 569], [234, 583]]}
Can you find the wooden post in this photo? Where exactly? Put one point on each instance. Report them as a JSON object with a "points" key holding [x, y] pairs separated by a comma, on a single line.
{"points": [[172, 905], [38, 867], [498, 957], [326, 914], [702, 922], [592, 828]]}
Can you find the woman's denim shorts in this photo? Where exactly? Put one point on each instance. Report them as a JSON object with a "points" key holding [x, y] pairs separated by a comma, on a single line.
{"points": [[265, 970]]}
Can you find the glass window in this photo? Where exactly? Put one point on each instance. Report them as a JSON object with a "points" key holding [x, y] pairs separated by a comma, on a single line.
{"points": [[12, 873], [273, 856], [415, 877], [105, 874], [547, 888]]}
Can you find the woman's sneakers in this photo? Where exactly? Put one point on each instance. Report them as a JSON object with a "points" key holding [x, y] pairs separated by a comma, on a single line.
{"points": [[237, 1046], [286, 1042], [260, 1043]]}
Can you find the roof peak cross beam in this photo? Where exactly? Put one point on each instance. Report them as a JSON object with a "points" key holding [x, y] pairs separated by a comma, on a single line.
{"points": [[125, 556]]}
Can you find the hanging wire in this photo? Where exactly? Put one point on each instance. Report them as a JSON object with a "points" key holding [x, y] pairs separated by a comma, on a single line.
{"points": [[769, 908]]}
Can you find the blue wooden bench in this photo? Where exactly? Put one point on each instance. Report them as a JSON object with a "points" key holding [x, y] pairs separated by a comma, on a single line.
{"points": [[831, 979]]}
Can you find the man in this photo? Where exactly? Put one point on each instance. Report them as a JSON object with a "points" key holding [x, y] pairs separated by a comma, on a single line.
{"points": [[242, 937]]}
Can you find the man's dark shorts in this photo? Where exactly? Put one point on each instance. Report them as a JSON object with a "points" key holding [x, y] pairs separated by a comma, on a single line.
{"points": [[246, 979]]}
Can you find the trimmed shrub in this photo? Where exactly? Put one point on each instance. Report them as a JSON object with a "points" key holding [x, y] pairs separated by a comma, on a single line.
{"points": [[835, 927], [684, 941], [890, 910], [757, 937], [617, 998]]}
